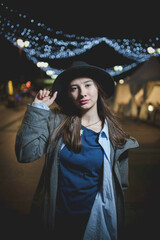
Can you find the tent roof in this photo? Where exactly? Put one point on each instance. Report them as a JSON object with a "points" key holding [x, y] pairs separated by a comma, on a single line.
{"points": [[148, 71], [154, 95]]}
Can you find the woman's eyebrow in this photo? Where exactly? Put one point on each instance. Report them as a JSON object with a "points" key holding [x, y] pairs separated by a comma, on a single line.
{"points": [[88, 81], [74, 84]]}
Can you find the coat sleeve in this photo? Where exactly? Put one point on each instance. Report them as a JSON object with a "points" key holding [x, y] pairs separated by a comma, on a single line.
{"points": [[33, 135], [121, 166]]}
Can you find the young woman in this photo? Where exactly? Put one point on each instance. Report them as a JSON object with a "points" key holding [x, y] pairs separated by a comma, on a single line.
{"points": [[80, 193]]}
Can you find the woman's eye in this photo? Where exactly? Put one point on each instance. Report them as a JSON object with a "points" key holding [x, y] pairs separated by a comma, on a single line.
{"points": [[73, 89], [88, 85]]}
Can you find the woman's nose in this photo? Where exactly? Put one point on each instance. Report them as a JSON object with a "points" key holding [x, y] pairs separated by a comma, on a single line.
{"points": [[82, 91]]}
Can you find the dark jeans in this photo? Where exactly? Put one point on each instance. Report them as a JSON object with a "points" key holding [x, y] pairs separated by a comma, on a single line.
{"points": [[70, 227]]}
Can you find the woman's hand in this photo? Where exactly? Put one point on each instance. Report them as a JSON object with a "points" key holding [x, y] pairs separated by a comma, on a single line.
{"points": [[45, 96]]}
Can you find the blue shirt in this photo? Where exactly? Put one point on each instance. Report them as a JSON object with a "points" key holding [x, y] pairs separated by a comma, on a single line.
{"points": [[80, 175], [102, 222]]}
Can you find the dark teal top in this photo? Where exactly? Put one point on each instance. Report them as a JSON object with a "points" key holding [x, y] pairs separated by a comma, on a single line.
{"points": [[80, 175]]}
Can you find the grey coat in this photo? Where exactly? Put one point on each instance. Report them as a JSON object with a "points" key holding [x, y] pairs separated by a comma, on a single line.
{"points": [[33, 141]]}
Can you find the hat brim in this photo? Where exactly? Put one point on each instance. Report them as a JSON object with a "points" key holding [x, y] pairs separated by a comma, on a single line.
{"points": [[99, 75]]}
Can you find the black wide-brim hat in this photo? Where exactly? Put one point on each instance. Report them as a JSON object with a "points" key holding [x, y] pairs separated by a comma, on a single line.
{"points": [[81, 69]]}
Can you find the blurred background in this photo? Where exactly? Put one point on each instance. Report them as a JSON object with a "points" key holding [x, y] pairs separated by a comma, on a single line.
{"points": [[38, 40]]}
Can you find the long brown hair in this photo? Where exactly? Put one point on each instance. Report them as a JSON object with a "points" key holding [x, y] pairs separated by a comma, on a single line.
{"points": [[70, 126]]}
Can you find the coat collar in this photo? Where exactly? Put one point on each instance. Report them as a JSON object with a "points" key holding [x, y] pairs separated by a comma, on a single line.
{"points": [[116, 152], [130, 143]]}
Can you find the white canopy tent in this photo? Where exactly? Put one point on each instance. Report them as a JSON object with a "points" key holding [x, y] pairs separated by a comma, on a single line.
{"points": [[154, 97], [122, 96], [133, 96]]}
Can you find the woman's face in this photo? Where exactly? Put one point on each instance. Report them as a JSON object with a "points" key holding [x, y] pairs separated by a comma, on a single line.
{"points": [[84, 93]]}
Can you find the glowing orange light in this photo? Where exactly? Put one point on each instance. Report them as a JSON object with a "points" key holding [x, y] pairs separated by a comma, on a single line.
{"points": [[28, 84]]}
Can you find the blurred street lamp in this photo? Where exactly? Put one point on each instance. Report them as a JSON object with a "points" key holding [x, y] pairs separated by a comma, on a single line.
{"points": [[26, 44], [10, 87], [42, 64], [121, 81], [50, 72], [150, 108], [158, 50], [118, 68], [22, 44], [150, 50]]}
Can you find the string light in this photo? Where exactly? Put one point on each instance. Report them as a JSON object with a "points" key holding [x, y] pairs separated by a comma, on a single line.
{"points": [[151, 50], [41, 43]]}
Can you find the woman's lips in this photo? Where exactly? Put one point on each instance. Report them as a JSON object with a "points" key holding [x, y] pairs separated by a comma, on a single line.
{"points": [[82, 102]]}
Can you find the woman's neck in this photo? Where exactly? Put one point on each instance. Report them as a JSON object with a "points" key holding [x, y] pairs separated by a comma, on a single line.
{"points": [[89, 117]]}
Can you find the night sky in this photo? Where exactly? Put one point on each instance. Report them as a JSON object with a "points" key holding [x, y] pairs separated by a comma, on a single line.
{"points": [[114, 19], [83, 18]]}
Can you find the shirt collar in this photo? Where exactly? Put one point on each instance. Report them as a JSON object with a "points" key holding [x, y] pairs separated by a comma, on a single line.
{"points": [[104, 131]]}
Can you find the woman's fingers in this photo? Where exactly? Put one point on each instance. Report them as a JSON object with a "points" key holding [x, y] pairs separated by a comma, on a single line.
{"points": [[54, 96], [43, 93], [39, 95], [46, 96]]}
